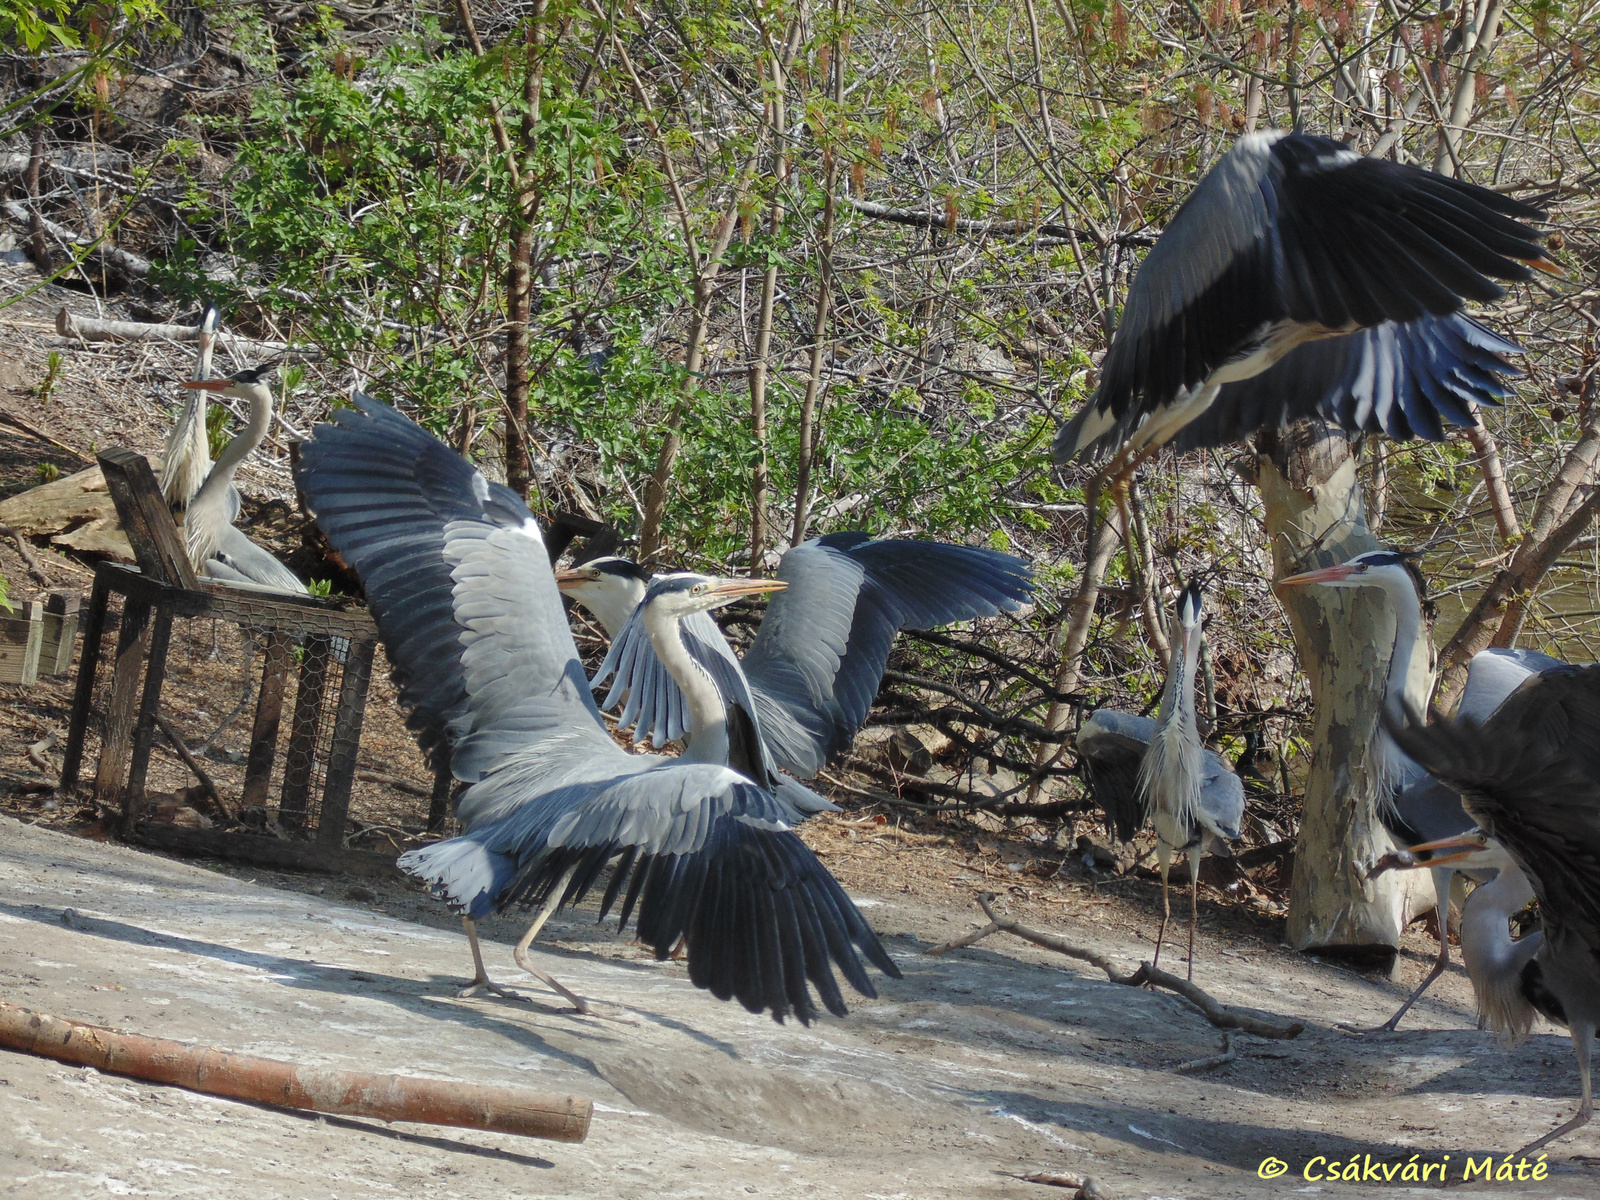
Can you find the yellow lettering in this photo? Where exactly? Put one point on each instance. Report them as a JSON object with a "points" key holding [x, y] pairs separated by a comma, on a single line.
{"points": [[1486, 1170], [1306, 1173]]}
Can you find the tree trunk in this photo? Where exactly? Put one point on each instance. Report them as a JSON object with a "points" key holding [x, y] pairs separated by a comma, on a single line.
{"points": [[1307, 479], [519, 313]]}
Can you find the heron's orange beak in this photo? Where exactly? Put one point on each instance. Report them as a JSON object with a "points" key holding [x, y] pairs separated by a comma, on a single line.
{"points": [[1463, 849], [571, 575], [1321, 575], [206, 385], [748, 587], [1545, 265]]}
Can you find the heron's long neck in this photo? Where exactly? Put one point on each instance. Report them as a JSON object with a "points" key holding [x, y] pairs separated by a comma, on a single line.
{"points": [[1494, 959], [613, 606], [708, 715], [1390, 761], [240, 448]]}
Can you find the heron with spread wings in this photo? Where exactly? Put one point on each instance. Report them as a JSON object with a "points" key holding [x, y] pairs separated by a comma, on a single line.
{"points": [[1530, 776], [459, 582]]}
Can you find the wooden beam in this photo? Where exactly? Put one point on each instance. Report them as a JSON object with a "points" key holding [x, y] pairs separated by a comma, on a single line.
{"points": [[83, 693], [157, 545]]}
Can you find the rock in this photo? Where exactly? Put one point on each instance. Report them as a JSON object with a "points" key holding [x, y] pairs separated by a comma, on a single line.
{"points": [[907, 753]]}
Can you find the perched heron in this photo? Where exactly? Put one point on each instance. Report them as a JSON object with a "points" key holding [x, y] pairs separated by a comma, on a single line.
{"points": [[1341, 275], [1158, 771], [186, 457], [459, 583], [1530, 776], [819, 655], [1414, 806], [216, 547]]}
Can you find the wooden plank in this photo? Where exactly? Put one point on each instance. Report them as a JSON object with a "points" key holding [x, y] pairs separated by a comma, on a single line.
{"points": [[60, 632], [83, 694], [277, 651], [21, 636], [264, 851], [346, 743], [144, 728], [295, 801], [116, 740], [157, 545]]}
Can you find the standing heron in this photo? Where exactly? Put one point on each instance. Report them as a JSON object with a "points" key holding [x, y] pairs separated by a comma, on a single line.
{"points": [[216, 547], [812, 672], [1414, 806], [186, 457], [1530, 776], [1158, 771], [1342, 276], [459, 583]]}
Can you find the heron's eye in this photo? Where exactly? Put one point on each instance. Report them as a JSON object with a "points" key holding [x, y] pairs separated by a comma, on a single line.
{"points": [[699, 588]]}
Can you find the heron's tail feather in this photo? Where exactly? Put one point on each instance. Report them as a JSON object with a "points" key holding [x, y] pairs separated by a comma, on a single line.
{"points": [[463, 872]]}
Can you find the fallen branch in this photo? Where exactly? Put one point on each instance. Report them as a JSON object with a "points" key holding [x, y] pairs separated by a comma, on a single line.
{"points": [[394, 781], [17, 422], [1227, 1055], [190, 761], [127, 262], [93, 329], [29, 559], [320, 1089], [1223, 1016]]}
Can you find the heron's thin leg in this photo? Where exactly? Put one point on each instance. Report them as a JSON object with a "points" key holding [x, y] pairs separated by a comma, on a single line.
{"points": [[521, 952], [1441, 885], [480, 977], [1164, 858], [1194, 903], [1582, 1040]]}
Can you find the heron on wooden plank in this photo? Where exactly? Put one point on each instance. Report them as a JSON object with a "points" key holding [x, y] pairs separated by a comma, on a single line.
{"points": [[1341, 277], [1530, 776], [460, 585], [1158, 771], [813, 670], [217, 548], [1414, 806]]}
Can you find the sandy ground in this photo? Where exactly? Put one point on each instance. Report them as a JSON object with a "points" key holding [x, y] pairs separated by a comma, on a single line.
{"points": [[978, 1067]]}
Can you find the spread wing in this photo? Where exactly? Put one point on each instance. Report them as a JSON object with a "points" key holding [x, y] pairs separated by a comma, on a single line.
{"points": [[473, 622], [1530, 777]]}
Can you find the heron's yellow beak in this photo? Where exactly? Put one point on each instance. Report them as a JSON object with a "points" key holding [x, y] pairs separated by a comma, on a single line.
{"points": [[748, 587], [1461, 849], [1321, 575]]}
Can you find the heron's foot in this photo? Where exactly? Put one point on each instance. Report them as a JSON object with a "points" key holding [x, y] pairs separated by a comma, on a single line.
{"points": [[579, 1004], [1388, 1026], [1577, 1122], [484, 984]]}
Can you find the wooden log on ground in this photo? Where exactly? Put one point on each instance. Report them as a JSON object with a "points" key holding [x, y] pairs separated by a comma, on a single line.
{"points": [[266, 1081], [263, 851], [92, 329]]}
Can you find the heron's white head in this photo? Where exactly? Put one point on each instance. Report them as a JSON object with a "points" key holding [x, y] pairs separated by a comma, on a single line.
{"points": [[611, 588], [253, 384], [1189, 606], [677, 596], [1375, 568]]}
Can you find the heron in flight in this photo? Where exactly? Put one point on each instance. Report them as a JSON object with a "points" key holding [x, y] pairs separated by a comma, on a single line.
{"points": [[216, 547], [1158, 771], [460, 585], [819, 655], [1301, 278], [1530, 776], [1414, 806]]}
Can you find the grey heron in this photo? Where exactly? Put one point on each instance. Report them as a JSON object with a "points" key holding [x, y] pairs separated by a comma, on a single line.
{"points": [[1530, 776], [1414, 806], [460, 585], [813, 670], [1158, 771], [1339, 276], [186, 457], [216, 547]]}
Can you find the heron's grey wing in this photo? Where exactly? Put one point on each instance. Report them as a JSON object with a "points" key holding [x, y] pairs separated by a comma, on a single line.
{"points": [[1530, 776], [1294, 227], [384, 492], [1221, 798], [705, 855], [1404, 380], [1112, 745], [1495, 674], [652, 703], [1425, 810], [238, 554], [817, 660]]}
